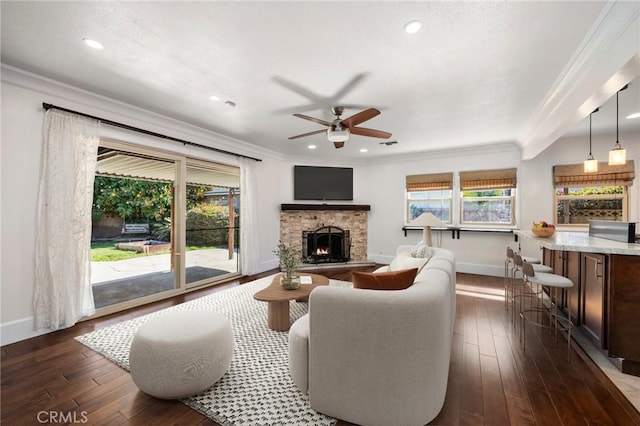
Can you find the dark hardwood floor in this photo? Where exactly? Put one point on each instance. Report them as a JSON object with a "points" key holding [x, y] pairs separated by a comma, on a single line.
{"points": [[492, 380]]}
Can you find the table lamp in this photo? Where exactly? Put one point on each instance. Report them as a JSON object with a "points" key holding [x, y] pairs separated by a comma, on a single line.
{"points": [[427, 220]]}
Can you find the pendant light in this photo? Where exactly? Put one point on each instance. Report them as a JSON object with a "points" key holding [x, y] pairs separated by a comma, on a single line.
{"points": [[591, 164], [618, 155]]}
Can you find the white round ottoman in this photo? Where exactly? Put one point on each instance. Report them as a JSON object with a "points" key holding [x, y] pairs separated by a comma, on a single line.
{"points": [[181, 353]]}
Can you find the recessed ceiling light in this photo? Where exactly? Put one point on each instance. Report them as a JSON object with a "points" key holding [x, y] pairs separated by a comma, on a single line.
{"points": [[92, 43], [214, 98], [364, 150], [230, 104], [412, 27], [311, 146], [634, 115]]}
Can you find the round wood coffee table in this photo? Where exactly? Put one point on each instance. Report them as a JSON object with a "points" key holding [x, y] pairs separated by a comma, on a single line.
{"points": [[278, 299]]}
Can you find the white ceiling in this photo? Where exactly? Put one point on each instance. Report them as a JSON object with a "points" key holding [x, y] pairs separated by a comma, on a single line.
{"points": [[477, 73]]}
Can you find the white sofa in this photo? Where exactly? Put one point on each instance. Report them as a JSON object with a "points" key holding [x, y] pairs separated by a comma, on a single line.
{"points": [[378, 357]]}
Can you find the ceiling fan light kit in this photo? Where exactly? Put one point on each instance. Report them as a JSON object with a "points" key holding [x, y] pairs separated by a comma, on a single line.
{"points": [[338, 135]]}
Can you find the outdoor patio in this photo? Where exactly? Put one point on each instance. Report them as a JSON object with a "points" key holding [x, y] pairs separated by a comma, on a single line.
{"points": [[123, 280]]}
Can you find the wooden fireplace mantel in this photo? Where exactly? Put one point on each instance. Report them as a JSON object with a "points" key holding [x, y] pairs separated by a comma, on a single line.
{"points": [[359, 207]]}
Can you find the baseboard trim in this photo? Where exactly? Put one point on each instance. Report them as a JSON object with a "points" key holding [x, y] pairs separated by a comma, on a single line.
{"points": [[480, 269], [15, 331]]}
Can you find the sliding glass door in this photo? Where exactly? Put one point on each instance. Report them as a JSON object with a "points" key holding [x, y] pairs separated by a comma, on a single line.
{"points": [[161, 223], [211, 221], [132, 245]]}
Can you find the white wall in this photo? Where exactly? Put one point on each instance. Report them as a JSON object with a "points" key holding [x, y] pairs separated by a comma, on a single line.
{"points": [[378, 182], [21, 148]]}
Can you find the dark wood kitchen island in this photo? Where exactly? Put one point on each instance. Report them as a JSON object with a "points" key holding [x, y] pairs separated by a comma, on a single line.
{"points": [[605, 300]]}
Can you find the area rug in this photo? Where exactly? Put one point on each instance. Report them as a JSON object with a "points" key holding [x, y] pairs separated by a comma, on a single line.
{"points": [[257, 389]]}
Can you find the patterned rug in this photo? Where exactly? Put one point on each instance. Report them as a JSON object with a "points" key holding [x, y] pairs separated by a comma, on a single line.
{"points": [[257, 389]]}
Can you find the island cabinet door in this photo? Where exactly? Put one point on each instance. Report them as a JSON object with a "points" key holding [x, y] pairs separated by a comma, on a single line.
{"points": [[573, 273], [624, 307], [567, 264], [548, 257], [593, 283], [559, 262]]}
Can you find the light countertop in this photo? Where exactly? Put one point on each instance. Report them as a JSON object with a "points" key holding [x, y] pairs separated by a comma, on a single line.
{"points": [[582, 242]]}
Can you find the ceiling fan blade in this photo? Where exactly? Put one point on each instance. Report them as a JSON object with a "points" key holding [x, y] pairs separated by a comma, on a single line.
{"points": [[315, 120], [297, 88], [338, 144], [360, 117], [355, 81], [363, 131], [308, 134]]}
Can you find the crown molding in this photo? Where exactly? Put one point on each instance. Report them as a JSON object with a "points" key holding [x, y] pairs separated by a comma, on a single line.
{"points": [[94, 104], [496, 148], [608, 52]]}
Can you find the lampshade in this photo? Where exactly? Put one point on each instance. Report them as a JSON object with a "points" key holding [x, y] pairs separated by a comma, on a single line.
{"points": [[591, 164], [618, 155], [338, 135], [427, 220]]}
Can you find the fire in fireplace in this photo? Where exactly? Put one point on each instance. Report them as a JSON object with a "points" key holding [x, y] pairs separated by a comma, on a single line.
{"points": [[326, 245]]}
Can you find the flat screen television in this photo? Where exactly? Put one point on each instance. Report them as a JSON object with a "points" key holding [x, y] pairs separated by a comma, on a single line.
{"points": [[322, 183]]}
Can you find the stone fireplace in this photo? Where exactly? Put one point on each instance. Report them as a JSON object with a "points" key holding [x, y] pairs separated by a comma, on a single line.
{"points": [[339, 229]]}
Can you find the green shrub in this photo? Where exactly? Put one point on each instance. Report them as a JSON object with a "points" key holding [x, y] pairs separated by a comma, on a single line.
{"points": [[207, 225]]}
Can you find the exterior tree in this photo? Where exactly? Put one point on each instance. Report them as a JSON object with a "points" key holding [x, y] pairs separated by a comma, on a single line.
{"points": [[138, 200]]}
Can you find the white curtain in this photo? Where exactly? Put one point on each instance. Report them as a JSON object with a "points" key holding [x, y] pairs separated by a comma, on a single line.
{"points": [[249, 247], [63, 249]]}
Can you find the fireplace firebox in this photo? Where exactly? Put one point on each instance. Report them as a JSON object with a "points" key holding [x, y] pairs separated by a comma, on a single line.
{"points": [[328, 244]]}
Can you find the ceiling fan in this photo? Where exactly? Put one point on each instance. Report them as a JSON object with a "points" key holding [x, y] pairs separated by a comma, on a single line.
{"points": [[339, 130]]}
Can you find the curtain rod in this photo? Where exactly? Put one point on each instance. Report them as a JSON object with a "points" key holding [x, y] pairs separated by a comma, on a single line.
{"points": [[47, 106]]}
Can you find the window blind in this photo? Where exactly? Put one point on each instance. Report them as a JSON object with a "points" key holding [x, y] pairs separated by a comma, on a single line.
{"points": [[428, 182], [573, 175], [488, 179]]}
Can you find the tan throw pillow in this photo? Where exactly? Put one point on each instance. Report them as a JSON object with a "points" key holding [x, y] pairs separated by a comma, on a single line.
{"points": [[404, 260], [396, 280]]}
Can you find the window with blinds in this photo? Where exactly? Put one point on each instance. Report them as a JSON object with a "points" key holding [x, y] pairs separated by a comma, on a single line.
{"points": [[430, 193], [488, 197], [580, 197]]}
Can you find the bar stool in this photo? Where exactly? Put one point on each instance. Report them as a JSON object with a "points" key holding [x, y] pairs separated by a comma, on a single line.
{"points": [[518, 262], [510, 270], [553, 283]]}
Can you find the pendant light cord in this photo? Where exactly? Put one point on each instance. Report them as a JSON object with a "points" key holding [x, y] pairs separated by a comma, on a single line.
{"points": [[618, 115], [590, 118], [590, 155]]}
